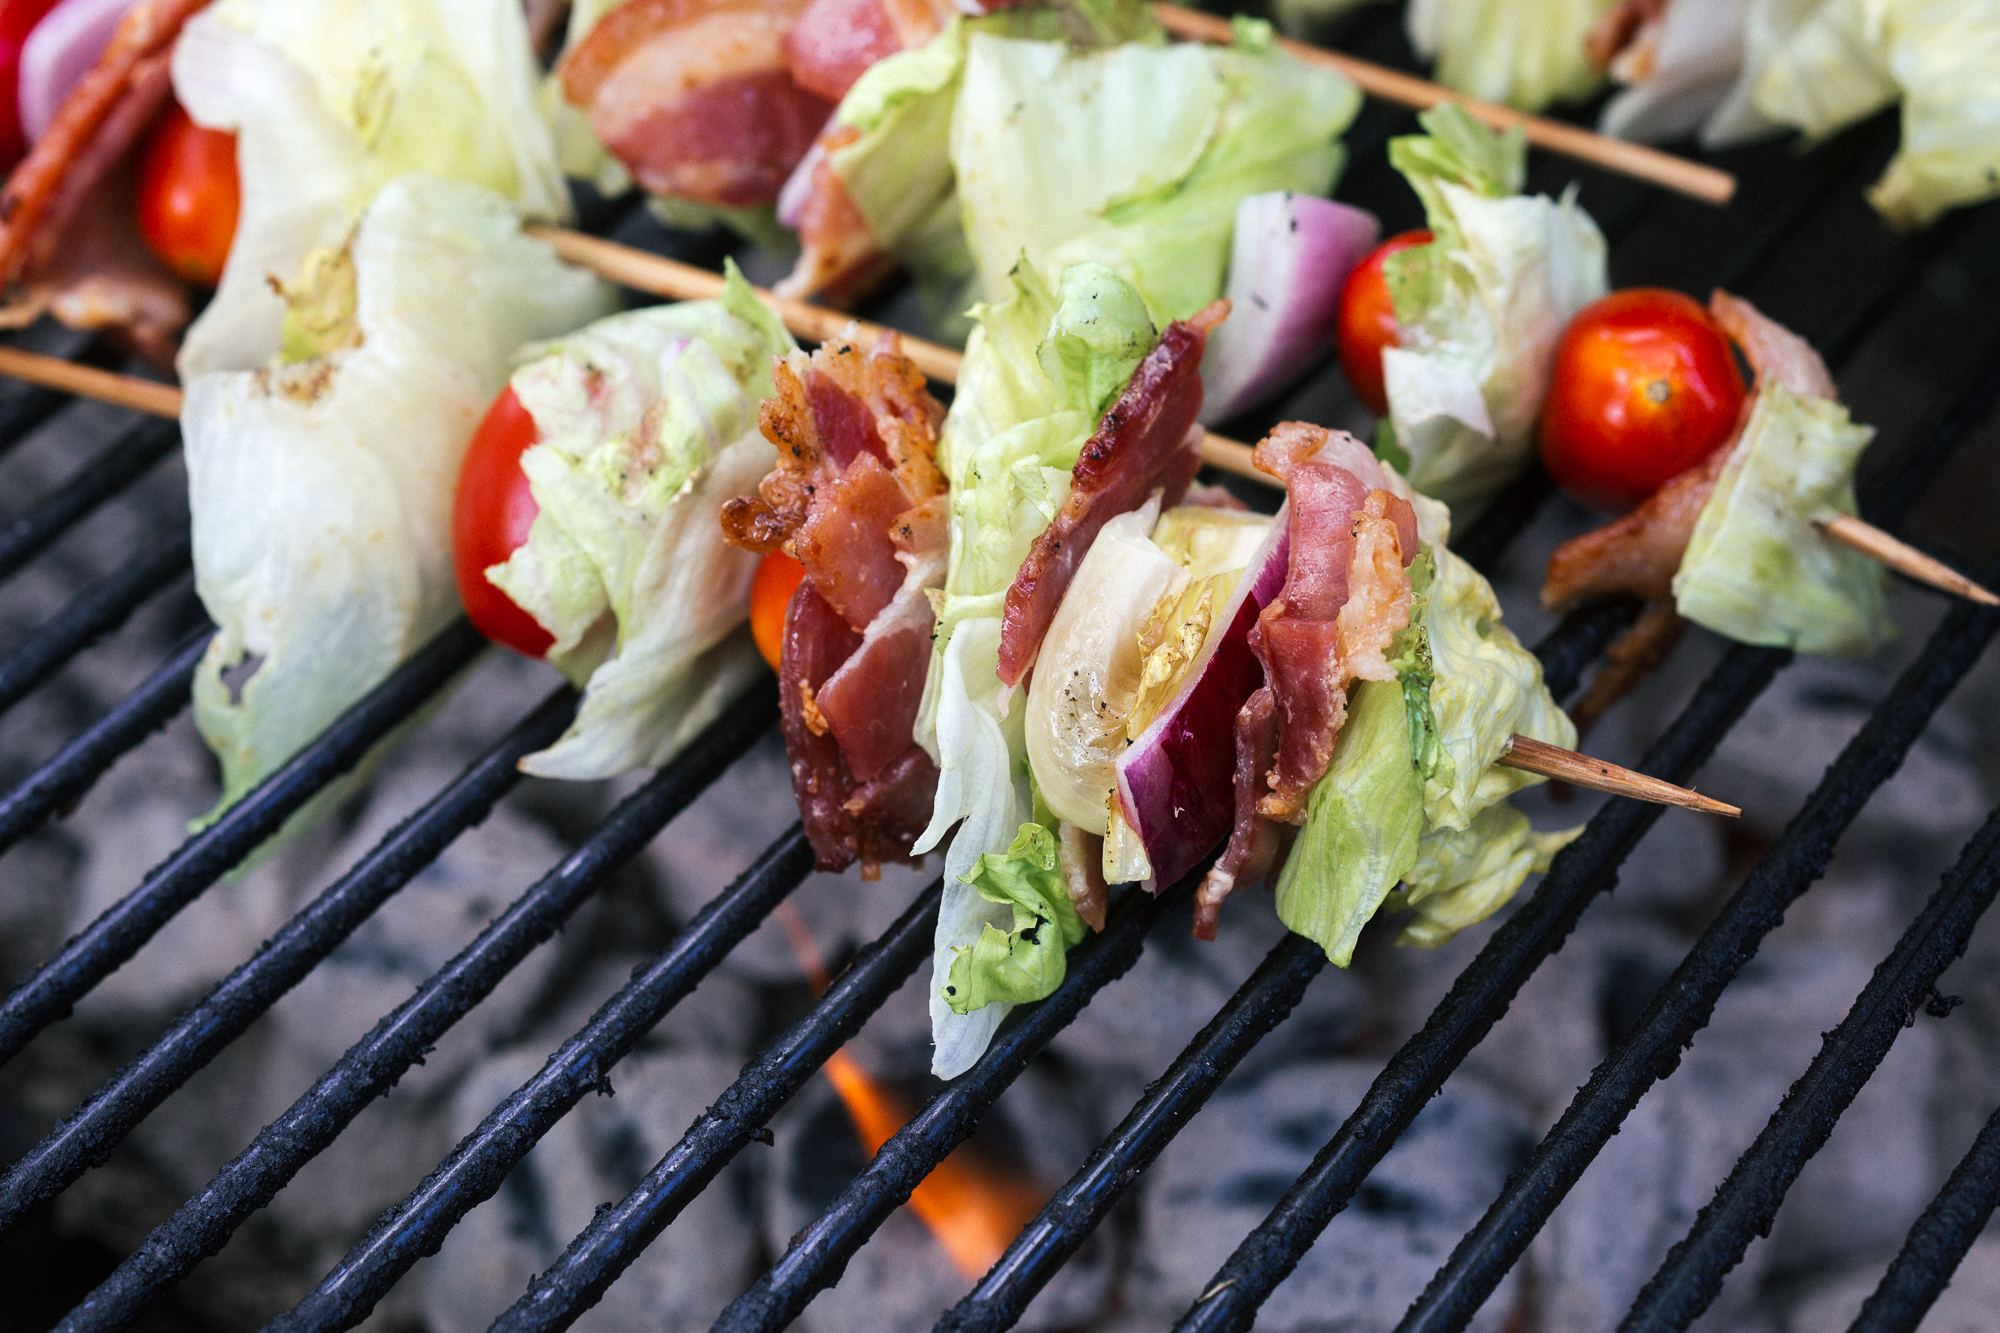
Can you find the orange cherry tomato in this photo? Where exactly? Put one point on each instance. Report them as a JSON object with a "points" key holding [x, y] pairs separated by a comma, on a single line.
{"points": [[490, 517], [770, 595], [1368, 321], [1646, 386], [189, 196]]}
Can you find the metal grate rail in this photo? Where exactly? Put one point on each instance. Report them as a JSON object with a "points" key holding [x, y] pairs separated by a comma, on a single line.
{"points": [[475, 1169]]}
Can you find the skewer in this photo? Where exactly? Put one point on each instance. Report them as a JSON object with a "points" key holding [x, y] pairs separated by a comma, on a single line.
{"points": [[1580, 770], [162, 400], [684, 282], [1900, 556], [1629, 159]]}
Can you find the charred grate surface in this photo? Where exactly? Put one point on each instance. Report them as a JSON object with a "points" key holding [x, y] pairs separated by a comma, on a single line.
{"points": [[1938, 1241], [604, 1249], [1748, 1201]]}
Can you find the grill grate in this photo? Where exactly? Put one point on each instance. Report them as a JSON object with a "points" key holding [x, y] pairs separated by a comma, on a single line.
{"points": [[1823, 182]]}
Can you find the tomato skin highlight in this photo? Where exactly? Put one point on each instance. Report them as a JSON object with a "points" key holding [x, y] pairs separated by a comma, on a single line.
{"points": [[491, 513], [189, 196], [1368, 321], [1646, 385], [17, 19], [778, 577]]}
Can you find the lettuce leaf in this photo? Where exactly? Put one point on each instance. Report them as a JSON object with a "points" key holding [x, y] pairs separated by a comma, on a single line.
{"points": [[1027, 960], [1039, 371], [1486, 688], [321, 490], [1363, 823], [1851, 58], [1481, 308], [1136, 156], [1524, 55], [332, 99], [898, 169], [648, 422], [1756, 569], [1463, 876]]}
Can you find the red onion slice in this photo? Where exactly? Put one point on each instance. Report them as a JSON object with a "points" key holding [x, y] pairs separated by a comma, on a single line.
{"points": [[60, 51], [1289, 260], [1177, 781]]}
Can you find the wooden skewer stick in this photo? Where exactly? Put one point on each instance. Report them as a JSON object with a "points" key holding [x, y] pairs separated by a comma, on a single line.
{"points": [[162, 400], [1580, 770], [1629, 159], [1904, 558]]}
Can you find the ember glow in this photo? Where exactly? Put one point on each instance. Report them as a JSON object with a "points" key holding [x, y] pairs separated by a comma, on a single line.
{"points": [[973, 1208]]}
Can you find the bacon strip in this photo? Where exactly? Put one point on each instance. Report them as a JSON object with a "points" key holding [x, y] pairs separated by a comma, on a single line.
{"points": [[1148, 444], [1346, 596], [696, 97], [835, 41], [1641, 552], [857, 497]]}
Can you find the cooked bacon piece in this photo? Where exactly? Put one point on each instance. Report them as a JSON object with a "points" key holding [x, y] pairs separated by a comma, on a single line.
{"points": [[1774, 352], [696, 96], [1640, 552], [844, 543], [835, 41], [857, 497], [871, 702], [1148, 444], [1632, 656], [890, 391], [1255, 843], [1080, 857]]}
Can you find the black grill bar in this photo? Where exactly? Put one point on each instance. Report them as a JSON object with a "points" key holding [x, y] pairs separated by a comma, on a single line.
{"points": [[1684, 1002], [819, 1255], [604, 1249], [1260, 1004], [473, 1173], [1938, 1241], [98, 950], [128, 458], [87, 1136], [25, 409], [1692, 1273], [93, 614], [372, 1065], [69, 773]]}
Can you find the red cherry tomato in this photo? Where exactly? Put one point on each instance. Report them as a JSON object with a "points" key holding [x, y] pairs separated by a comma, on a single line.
{"points": [[1645, 387], [189, 196], [770, 595], [17, 19], [1368, 321], [490, 518]]}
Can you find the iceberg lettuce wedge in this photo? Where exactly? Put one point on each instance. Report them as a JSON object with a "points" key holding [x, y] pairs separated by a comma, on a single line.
{"points": [[1481, 308], [1757, 570], [647, 423], [332, 99], [321, 489], [1040, 370], [1025, 961], [1136, 156]]}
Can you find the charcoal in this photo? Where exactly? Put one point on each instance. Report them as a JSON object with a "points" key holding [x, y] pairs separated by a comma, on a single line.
{"points": [[1224, 1172], [594, 1156]]}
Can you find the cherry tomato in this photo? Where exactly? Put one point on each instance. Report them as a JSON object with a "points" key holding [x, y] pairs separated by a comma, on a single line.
{"points": [[1645, 387], [1368, 321], [17, 19], [770, 594], [189, 196], [490, 518]]}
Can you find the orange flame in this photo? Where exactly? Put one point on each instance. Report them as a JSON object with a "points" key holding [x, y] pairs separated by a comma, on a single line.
{"points": [[972, 1209]]}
